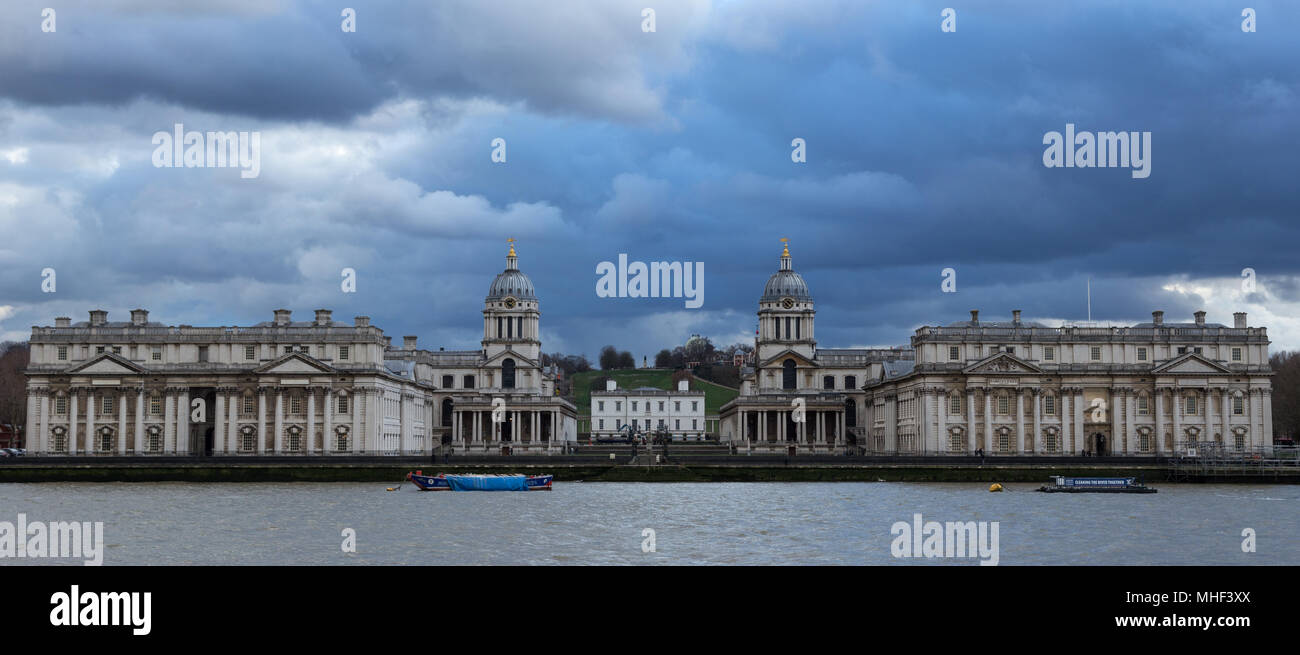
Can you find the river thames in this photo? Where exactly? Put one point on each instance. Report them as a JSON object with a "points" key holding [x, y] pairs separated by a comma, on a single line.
{"points": [[692, 523]]}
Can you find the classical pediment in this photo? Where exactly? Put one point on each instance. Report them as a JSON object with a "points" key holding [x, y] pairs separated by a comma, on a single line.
{"points": [[1190, 363], [1002, 362], [108, 364], [780, 357], [294, 363], [520, 360]]}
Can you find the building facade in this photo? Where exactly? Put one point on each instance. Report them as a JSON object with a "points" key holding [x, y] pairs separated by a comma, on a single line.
{"points": [[287, 387], [646, 409], [1003, 387]]}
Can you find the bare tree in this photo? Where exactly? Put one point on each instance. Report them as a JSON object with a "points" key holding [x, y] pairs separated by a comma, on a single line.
{"points": [[13, 384]]}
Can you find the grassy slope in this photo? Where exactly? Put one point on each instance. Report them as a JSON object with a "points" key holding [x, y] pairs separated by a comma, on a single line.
{"points": [[714, 395]]}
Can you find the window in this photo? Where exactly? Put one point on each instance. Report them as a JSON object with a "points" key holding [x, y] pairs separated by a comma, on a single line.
{"points": [[677, 406], [250, 352], [508, 374], [1238, 405], [695, 405], [203, 353], [1144, 405], [618, 405], [1189, 405], [993, 350], [249, 406], [1182, 350], [135, 352], [828, 382], [787, 374], [61, 405], [99, 350], [1049, 405], [117, 350], [634, 405], [156, 354], [1236, 354], [295, 404], [343, 352], [602, 424], [1049, 353], [1004, 405], [304, 349], [1197, 350], [600, 405], [288, 349], [954, 404], [469, 382], [954, 353], [63, 353], [850, 382], [1142, 354], [343, 405], [1095, 353], [155, 405], [677, 424], [1011, 349]]}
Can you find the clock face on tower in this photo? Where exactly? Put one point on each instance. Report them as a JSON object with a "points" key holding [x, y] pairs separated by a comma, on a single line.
{"points": [[511, 302], [787, 303]]}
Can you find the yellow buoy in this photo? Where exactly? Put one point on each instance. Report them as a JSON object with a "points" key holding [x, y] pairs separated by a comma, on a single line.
{"points": [[392, 488], [996, 486]]}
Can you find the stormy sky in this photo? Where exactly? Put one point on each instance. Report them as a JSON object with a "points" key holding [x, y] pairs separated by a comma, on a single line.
{"points": [[924, 152]]}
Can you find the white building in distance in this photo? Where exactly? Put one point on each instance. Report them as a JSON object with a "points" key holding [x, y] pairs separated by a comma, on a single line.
{"points": [[647, 409]]}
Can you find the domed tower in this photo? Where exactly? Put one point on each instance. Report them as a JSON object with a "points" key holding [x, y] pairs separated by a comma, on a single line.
{"points": [[510, 318], [785, 313]]}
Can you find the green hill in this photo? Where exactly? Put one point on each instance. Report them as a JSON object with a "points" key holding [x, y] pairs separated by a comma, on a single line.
{"points": [[715, 395]]}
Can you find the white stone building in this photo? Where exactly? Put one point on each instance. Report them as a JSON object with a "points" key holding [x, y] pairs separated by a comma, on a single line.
{"points": [[645, 409], [316, 387], [1007, 387]]}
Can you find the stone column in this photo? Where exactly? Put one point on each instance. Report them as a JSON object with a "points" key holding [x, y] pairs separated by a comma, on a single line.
{"points": [[278, 426], [43, 430], [1040, 441], [988, 420], [1266, 429], [941, 443], [74, 395], [1160, 420], [31, 421], [970, 420], [232, 426], [121, 421], [1116, 414], [1020, 420], [261, 420], [1208, 401], [183, 423], [139, 419], [1226, 414], [309, 444], [327, 434], [356, 434], [219, 422], [1130, 409], [91, 410], [1178, 419], [1080, 440]]}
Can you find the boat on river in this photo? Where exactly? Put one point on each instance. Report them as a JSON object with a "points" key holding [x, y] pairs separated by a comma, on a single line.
{"points": [[480, 482], [1063, 484]]}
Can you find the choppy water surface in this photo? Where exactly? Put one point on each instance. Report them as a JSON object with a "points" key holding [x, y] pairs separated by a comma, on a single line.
{"points": [[710, 523]]}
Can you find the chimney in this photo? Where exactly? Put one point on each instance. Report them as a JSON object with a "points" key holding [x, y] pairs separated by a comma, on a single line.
{"points": [[1158, 317], [683, 385], [282, 316], [611, 385], [408, 343], [323, 317], [63, 321], [388, 343], [98, 317], [974, 316], [139, 316], [1239, 320], [1015, 316], [1200, 318], [362, 321]]}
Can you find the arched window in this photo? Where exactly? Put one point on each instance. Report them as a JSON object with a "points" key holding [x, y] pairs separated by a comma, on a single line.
{"points": [[508, 374], [787, 374]]}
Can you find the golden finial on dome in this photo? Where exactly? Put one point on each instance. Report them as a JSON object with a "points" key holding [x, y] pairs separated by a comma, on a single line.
{"points": [[511, 241], [786, 247]]}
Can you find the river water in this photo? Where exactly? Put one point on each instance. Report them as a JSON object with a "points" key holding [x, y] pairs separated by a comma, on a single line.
{"points": [[692, 523]]}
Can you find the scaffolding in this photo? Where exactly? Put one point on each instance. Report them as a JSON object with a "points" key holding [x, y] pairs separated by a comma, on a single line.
{"points": [[1208, 460]]}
